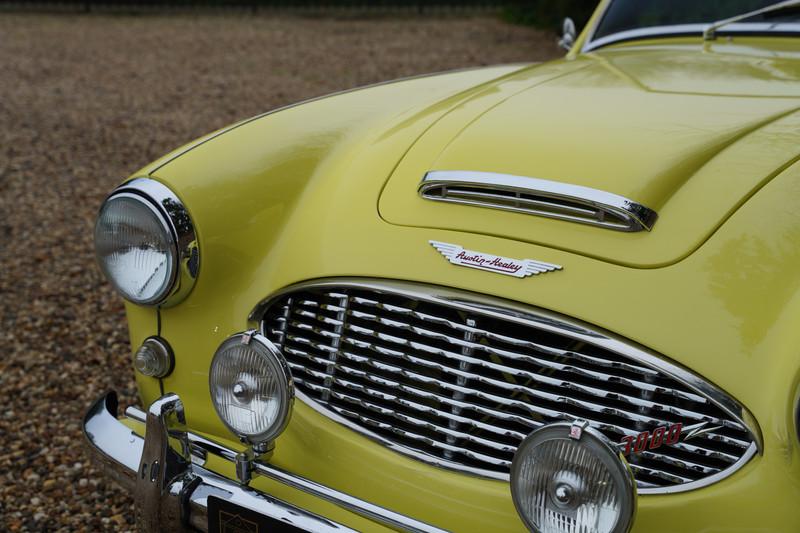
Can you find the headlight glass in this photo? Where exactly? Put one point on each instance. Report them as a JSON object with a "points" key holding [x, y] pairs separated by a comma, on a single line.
{"points": [[569, 479], [251, 387], [135, 248]]}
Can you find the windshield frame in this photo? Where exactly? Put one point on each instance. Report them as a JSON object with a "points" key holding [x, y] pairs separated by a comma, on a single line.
{"points": [[683, 30]]}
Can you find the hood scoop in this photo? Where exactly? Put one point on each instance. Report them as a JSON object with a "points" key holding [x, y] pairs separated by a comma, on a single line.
{"points": [[538, 197]]}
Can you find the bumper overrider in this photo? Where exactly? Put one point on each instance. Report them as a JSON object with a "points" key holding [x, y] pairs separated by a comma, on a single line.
{"points": [[164, 470]]}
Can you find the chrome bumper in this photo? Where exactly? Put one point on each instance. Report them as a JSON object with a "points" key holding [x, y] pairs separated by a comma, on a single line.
{"points": [[165, 473]]}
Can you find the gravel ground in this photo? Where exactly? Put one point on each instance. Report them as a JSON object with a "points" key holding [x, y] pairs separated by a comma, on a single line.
{"points": [[85, 100]]}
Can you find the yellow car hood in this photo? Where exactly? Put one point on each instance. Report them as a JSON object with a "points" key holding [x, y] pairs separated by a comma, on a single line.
{"points": [[688, 133]]}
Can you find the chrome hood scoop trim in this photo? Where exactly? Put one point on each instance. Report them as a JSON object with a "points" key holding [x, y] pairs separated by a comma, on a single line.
{"points": [[539, 197]]}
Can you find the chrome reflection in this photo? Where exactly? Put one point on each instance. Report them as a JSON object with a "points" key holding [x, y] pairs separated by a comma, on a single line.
{"points": [[534, 196]]}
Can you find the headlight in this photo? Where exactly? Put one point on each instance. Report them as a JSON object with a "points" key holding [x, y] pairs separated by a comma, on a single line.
{"points": [[145, 243], [251, 387], [569, 479]]}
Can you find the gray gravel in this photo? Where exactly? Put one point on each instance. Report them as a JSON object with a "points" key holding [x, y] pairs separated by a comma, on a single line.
{"points": [[85, 100]]}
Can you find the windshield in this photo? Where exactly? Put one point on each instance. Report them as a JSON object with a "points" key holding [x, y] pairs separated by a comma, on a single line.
{"points": [[624, 15]]}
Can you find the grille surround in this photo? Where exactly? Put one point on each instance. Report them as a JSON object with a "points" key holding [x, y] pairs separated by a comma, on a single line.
{"points": [[519, 315]]}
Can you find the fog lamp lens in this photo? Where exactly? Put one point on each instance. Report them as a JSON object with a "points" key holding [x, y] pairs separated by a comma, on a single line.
{"points": [[154, 358], [568, 478], [251, 387]]}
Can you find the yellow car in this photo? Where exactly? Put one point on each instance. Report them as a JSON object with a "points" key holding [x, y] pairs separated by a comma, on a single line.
{"points": [[560, 297]]}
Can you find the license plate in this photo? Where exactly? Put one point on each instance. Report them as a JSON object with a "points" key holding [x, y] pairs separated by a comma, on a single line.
{"points": [[227, 517]]}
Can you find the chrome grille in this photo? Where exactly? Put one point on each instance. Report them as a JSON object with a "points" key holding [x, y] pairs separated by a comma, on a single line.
{"points": [[459, 381]]}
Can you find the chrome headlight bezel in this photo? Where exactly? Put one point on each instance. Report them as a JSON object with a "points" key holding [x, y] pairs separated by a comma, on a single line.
{"points": [[283, 375], [176, 222]]}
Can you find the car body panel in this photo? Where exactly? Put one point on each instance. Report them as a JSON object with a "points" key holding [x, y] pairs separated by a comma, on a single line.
{"points": [[750, 351], [744, 67], [294, 196], [257, 237], [691, 156]]}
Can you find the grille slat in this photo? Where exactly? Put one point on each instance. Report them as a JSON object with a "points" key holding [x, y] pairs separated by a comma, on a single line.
{"points": [[538, 411], [510, 386], [631, 402], [481, 410], [371, 422], [533, 410], [556, 366], [461, 384], [503, 338], [413, 405], [404, 403], [517, 342], [580, 372], [670, 479], [421, 424], [464, 391]]}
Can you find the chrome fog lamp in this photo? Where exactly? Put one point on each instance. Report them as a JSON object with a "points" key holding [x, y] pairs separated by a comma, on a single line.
{"points": [[568, 478], [251, 388], [145, 243]]}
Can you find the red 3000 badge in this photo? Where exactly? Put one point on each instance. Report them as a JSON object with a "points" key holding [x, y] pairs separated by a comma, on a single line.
{"points": [[663, 435], [650, 441]]}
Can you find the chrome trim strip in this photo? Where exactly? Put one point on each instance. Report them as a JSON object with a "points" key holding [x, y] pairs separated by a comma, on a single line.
{"points": [[541, 319], [546, 198], [710, 31], [174, 213], [119, 450], [221, 487], [679, 30]]}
